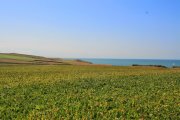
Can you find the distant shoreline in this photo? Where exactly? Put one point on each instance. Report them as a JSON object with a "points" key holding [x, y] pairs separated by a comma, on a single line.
{"points": [[139, 62], [15, 58]]}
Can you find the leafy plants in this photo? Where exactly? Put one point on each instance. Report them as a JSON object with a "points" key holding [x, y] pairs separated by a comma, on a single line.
{"points": [[88, 92]]}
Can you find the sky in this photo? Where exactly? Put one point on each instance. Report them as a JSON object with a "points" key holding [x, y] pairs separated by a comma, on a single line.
{"points": [[137, 29]]}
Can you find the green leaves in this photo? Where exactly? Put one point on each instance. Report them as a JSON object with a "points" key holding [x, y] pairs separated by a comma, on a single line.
{"points": [[88, 92]]}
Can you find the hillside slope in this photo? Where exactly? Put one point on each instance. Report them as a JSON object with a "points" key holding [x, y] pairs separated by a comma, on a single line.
{"points": [[15, 58]]}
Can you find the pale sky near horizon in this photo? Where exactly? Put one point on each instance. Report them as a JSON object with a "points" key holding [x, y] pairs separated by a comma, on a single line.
{"points": [[148, 29]]}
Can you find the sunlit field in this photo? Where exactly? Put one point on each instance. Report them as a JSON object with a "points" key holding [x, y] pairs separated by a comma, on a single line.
{"points": [[89, 92]]}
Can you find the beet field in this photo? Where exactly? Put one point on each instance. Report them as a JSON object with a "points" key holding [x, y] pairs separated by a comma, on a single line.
{"points": [[88, 92]]}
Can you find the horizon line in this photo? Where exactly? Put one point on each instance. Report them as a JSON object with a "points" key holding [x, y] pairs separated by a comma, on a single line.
{"points": [[94, 57]]}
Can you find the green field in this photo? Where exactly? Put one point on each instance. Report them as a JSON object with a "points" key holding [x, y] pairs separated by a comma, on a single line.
{"points": [[16, 57], [89, 92]]}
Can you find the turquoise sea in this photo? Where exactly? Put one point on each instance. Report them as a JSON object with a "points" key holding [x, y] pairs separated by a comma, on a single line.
{"points": [[130, 62]]}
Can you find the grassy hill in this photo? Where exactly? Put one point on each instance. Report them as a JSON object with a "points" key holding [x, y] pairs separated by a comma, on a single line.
{"points": [[14, 58]]}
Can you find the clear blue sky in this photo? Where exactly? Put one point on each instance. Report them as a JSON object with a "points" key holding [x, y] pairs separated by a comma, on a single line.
{"points": [[91, 28]]}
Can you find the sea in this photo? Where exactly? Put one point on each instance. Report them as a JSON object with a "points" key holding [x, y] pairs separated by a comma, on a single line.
{"points": [[130, 62]]}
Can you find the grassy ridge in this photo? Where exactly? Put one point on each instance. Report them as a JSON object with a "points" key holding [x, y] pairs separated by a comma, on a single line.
{"points": [[16, 57], [89, 92]]}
